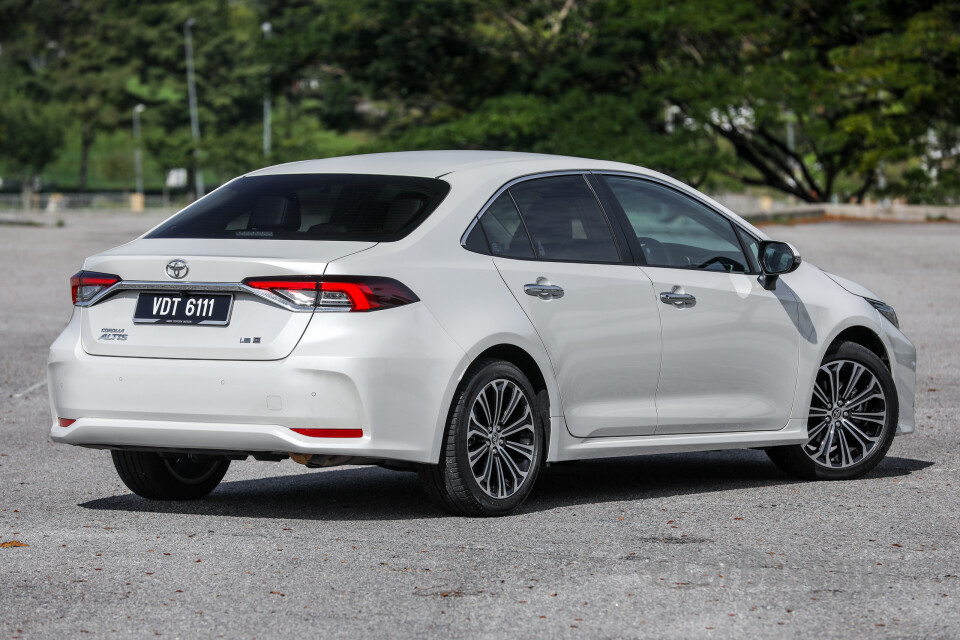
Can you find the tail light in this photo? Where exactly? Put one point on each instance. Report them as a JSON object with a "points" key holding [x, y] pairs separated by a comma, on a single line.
{"points": [[84, 285], [338, 293], [300, 291]]}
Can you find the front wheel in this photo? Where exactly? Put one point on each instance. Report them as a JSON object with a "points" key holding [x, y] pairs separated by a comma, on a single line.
{"points": [[169, 477], [853, 418], [493, 445]]}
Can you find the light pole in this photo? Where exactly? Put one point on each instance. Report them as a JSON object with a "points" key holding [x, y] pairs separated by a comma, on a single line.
{"points": [[192, 96], [137, 151], [266, 26]]}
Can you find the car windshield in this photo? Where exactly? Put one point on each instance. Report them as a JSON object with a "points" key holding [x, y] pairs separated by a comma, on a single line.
{"points": [[370, 208]]}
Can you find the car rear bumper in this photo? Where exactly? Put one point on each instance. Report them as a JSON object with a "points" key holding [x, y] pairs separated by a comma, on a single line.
{"points": [[209, 436], [348, 372]]}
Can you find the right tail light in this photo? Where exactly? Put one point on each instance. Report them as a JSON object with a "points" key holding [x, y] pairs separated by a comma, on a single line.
{"points": [[338, 293]]}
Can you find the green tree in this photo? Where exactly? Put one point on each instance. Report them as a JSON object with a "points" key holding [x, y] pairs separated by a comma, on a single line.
{"points": [[783, 95], [31, 136], [81, 52], [31, 122], [92, 69], [229, 76], [810, 98], [914, 73]]}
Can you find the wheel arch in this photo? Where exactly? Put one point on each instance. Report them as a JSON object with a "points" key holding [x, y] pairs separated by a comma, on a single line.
{"points": [[863, 336], [535, 366], [525, 362], [519, 358]]}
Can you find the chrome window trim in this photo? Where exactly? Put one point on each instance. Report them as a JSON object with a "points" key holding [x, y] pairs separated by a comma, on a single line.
{"points": [[535, 176], [694, 196], [210, 287]]}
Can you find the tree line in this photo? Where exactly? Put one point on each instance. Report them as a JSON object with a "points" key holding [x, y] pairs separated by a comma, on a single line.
{"points": [[819, 99]]}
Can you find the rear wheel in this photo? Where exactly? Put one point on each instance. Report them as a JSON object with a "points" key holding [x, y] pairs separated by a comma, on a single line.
{"points": [[169, 477], [493, 445], [853, 418]]}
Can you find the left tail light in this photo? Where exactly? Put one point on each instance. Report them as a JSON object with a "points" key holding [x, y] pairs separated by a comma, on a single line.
{"points": [[84, 285], [338, 293]]}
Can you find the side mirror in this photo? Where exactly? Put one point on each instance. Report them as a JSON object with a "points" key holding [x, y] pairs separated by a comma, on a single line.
{"points": [[776, 258]]}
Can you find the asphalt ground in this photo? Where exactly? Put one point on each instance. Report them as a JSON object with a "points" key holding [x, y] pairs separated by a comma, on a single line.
{"points": [[710, 545]]}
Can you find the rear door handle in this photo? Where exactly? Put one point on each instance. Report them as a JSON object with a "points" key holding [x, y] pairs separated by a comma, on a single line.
{"points": [[543, 291], [678, 299]]}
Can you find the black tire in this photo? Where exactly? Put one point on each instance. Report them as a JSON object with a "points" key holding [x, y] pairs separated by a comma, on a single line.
{"points": [[798, 460], [453, 483], [169, 477]]}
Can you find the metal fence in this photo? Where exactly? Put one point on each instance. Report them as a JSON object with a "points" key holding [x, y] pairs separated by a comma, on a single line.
{"points": [[53, 202]]}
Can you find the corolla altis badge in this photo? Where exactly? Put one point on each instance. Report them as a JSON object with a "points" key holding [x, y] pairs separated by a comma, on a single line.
{"points": [[177, 269], [109, 333]]}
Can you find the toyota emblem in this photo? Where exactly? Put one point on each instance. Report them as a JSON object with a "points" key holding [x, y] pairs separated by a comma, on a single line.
{"points": [[177, 269]]}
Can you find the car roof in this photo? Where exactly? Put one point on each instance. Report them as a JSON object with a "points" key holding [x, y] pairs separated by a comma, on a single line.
{"points": [[499, 166], [434, 164]]}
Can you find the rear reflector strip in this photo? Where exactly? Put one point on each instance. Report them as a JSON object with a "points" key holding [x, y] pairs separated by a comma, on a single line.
{"points": [[65, 422], [330, 433]]}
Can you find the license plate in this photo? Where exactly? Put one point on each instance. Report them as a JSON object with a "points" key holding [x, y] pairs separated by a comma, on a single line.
{"points": [[183, 308]]}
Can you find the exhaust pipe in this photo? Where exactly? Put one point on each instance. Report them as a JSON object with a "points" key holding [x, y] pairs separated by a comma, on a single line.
{"points": [[319, 460]]}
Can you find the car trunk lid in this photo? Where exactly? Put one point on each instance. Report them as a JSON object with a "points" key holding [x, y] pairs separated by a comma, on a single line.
{"points": [[255, 328]]}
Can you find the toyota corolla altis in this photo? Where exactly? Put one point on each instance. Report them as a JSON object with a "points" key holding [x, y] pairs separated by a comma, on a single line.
{"points": [[471, 316]]}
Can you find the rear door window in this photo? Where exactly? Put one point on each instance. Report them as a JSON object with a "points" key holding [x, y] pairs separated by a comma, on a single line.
{"points": [[564, 220], [370, 208]]}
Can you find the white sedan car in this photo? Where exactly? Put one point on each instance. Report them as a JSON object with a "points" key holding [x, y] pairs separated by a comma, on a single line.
{"points": [[472, 316]]}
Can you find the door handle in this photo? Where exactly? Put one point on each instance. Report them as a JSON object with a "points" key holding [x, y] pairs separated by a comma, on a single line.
{"points": [[678, 299], [543, 291]]}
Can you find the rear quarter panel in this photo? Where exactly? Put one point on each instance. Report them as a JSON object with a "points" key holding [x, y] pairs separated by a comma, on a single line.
{"points": [[462, 290]]}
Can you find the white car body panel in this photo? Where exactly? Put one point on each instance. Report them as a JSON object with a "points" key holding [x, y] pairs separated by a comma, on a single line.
{"points": [[394, 373], [570, 448], [852, 287], [738, 375], [276, 329], [350, 372], [603, 339], [827, 310]]}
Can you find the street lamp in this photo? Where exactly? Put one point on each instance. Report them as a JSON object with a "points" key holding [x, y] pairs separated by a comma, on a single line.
{"points": [[266, 26], [192, 96], [137, 151]]}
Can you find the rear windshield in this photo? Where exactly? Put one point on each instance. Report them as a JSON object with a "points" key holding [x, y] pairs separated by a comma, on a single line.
{"points": [[310, 207]]}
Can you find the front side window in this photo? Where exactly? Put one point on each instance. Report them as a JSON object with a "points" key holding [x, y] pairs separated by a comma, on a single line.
{"points": [[674, 230], [371, 208], [752, 246], [565, 220]]}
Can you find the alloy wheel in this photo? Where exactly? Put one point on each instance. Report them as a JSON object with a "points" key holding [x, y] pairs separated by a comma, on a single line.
{"points": [[847, 415], [500, 438]]}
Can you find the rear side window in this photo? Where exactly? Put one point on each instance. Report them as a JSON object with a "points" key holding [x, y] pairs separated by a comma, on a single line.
{"points": [[565, 220], [505, 231], [369, 208]]}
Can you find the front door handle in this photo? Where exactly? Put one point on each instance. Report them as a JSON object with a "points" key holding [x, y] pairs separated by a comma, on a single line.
{"points": [[678, 299], [543, 291]]}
